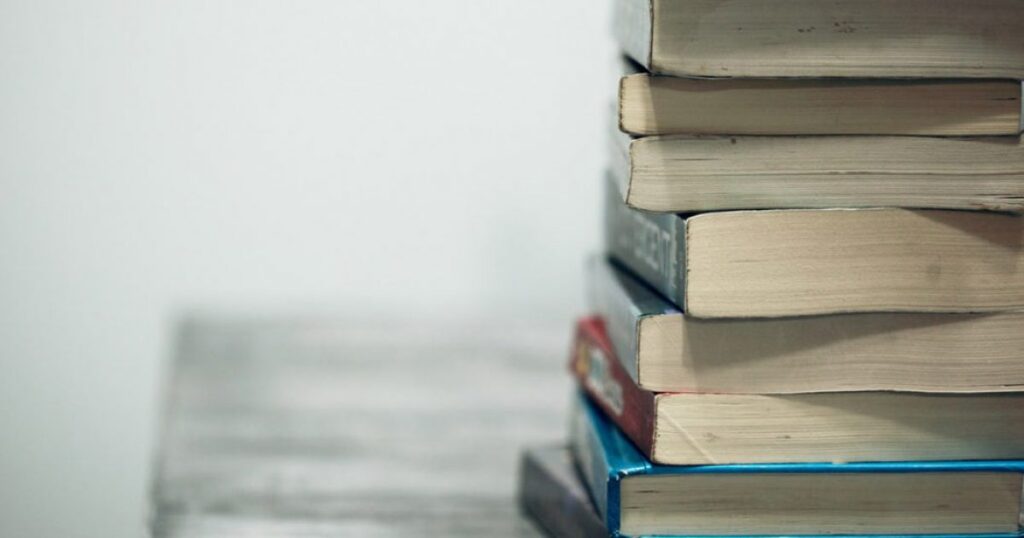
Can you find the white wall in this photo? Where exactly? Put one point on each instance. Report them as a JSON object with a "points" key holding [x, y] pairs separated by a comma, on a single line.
{"points": [[428, 156]]}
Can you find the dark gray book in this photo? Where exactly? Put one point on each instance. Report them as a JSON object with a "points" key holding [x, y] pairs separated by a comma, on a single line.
{"points": [[551, 493], [649, 244], [795, 262]]}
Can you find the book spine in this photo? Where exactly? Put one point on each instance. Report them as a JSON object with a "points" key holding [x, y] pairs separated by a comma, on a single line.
{"points": [[607, 298], [592, 462], [610, 387], [620, 163], [550, 494], [632, 24], [623, 303], [651, 245]]}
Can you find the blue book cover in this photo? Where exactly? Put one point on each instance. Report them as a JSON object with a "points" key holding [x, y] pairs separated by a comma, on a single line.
{"points": [[605, 457]]}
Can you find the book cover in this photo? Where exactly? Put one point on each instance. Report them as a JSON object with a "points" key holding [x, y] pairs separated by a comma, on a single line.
{"points": [[651, 245], [623, 303], [550, 492], [604, 378]]}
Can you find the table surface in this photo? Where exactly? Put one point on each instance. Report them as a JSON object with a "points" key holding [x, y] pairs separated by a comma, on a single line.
{"points": [[333, 427]]}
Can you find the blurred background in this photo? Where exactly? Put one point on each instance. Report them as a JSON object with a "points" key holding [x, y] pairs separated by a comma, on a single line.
{"points": [[436, 158]]}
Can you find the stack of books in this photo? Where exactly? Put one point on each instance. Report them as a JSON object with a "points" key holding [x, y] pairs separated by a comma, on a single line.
{"points": [[809, 318]]}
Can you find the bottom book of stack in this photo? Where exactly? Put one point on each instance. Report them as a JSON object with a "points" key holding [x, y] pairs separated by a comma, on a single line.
{"points": [[602, 485]]}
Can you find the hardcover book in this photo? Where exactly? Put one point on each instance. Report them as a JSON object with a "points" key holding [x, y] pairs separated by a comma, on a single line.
{"points": [[666, 350], [637, 498], [692, 173], [550, 493], [689, 428], [825, 38], [800, 262]]}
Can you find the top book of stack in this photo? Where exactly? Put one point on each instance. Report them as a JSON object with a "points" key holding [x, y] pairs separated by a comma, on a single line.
{"points": [[825, 38]]}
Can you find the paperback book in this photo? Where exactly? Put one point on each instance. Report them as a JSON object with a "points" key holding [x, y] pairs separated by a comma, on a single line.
{"points": [[664, 349], [693, 428], [772, 263], [825, 38], [637, 498]]}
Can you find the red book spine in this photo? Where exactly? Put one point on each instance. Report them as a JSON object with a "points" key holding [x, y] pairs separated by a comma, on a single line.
{"points": [[606, 381]]}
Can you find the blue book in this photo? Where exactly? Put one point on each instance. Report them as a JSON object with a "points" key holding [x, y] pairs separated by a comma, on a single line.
{"points": [[977, 499]]}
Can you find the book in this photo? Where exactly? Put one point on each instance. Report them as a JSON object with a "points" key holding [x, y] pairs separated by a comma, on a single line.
{"points": [[693, 173], [690, 428], [636, 497], [661, 105], [552, 495], [665, 350], [824, 38], [773, 263]]}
